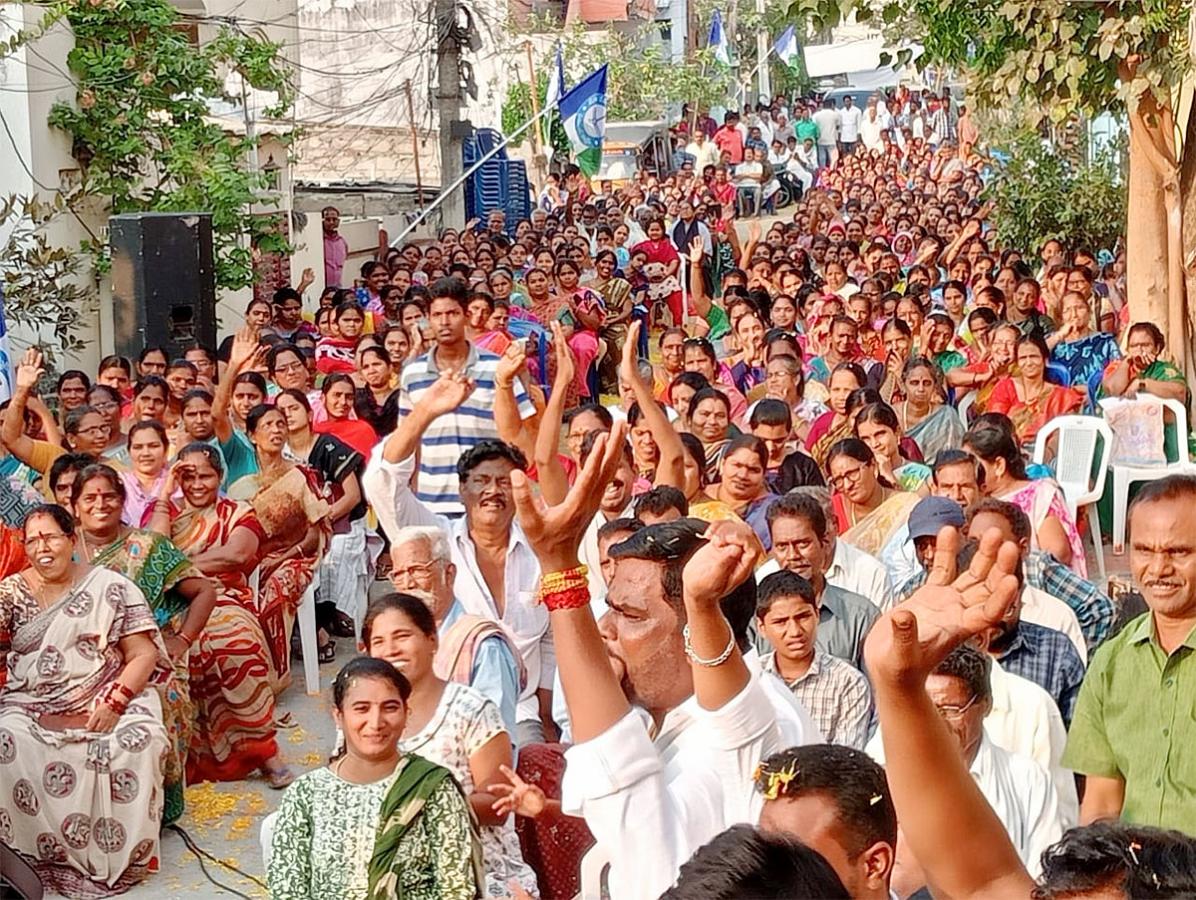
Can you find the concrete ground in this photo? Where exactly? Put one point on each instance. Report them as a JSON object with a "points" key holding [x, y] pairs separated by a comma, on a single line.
{"points": [[225, 819]]}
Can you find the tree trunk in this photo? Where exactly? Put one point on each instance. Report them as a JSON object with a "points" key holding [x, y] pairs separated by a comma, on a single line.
{"points": [[1146, 233], [1187, 193]]}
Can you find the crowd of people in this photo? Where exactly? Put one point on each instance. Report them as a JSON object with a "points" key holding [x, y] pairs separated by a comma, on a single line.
{"points": [[791, 613]]}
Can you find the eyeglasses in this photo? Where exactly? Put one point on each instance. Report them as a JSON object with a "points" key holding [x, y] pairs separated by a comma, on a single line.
{"points": [[290, 367], [955, 712], [32, 543], [95, 431], [852, 475], [421, 572], [105, 407]]}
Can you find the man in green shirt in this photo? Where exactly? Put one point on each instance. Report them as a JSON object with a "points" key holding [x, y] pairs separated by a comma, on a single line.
{"points": [[805, 127], [1134, 727]]}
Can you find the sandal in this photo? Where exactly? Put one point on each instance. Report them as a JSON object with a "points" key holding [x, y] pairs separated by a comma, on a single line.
{"points": [[327, 652], [342, 626]]}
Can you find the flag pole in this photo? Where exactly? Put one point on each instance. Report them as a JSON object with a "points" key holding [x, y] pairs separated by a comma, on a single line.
{"points": [[447, 192]]}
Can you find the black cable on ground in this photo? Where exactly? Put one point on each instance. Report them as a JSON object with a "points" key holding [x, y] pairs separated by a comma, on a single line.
{"points": [[201, 853]]}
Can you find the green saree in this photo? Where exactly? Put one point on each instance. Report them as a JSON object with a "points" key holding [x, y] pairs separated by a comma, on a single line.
{"points": [[156, 566], [424, 795]]}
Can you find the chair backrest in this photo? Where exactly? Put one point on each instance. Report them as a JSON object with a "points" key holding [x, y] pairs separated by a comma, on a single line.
{"points": [[1081, 458], [965, 407]]}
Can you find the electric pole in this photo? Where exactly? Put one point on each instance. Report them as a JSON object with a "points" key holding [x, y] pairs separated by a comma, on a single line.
{"points": [[448, 99]]}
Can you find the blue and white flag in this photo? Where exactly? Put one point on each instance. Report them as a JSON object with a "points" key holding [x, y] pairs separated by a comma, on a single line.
{"points": [[583, 112], [786, 47], [6, 377], [556, 79], [718, 39]]}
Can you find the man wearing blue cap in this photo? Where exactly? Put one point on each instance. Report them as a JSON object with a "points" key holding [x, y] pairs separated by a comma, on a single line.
{"points": [[925, 521]]}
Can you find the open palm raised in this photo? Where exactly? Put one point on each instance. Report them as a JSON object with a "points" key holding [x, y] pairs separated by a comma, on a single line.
{"points": [[909, 641]]}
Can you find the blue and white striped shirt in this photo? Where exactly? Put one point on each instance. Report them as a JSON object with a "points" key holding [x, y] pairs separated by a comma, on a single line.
{"points": [[451, 435]]}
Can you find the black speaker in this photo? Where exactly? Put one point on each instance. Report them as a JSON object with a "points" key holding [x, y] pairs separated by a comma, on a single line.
{"points": [[163, 281]]}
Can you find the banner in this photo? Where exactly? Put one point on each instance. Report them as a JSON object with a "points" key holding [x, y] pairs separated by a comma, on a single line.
{"points": [[583, 112]]}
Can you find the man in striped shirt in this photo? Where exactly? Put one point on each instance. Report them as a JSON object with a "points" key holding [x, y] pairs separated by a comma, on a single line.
{"points": [[488, 412]]}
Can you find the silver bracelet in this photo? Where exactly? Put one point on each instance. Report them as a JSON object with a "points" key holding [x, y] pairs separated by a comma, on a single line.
{"points": [[709, 663]]}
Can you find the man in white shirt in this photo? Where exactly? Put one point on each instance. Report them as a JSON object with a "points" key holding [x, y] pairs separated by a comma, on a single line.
{"points": [[497, 572], [704, 152], [749, 182], [850, 117], [1017, 788], [653, 783], [1025, 720], [803, 163], [871, 127], [828, 121]]}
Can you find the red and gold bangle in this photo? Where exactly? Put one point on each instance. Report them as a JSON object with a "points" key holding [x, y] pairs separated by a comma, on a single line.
{"points": [[566, 598], [568, 578], [121, 689]]}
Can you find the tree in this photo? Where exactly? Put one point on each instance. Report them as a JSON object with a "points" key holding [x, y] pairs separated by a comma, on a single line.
{"points": [[1062, 57], [1040, 193], [43, 287], [141, 125], [640, 83]]}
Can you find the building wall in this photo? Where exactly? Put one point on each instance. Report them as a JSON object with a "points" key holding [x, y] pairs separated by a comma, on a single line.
{"points": [[37, 160]]}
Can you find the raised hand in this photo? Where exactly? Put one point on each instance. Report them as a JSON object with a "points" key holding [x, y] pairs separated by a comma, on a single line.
{"points": [[511, 363], [246, 343], [517, 796], [721, 564], [448, 392], [30, 370], [565, 367], [555, 532], [909, 641], [695, 249], [628, 365], [306, 279]]}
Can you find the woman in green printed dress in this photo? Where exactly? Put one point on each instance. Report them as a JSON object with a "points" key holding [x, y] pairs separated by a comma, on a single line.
{"points": [[180, 597], [374, 823]]}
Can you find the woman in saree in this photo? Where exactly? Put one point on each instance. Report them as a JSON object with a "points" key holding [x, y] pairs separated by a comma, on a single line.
{"points": [[345, 569], [1086, 353], [292, 510], [925, 417], [335, 353], [877, 426], [835, 424], [1027, 398], [784, 380], [869, 512], [898, 343], [985, 373], [742, 487], [1052, 527], [454, 726], [338, 393], [233, 677], [178, 594], [581, 314], [616, 298], [1144, 370], [82, 739], [710, 422], [374, 823]]}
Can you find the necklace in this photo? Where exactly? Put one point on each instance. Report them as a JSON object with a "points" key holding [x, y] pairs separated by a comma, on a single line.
{"points": [[88, 548]]}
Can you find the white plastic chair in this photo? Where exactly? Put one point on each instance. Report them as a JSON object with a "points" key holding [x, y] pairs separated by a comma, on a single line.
{"points": [[1085, 445], [965, 406], [1126, 474], [306, 620]]}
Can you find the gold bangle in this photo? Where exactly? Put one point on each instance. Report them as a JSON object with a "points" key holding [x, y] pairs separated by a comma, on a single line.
{"points": [[550, 582]]}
